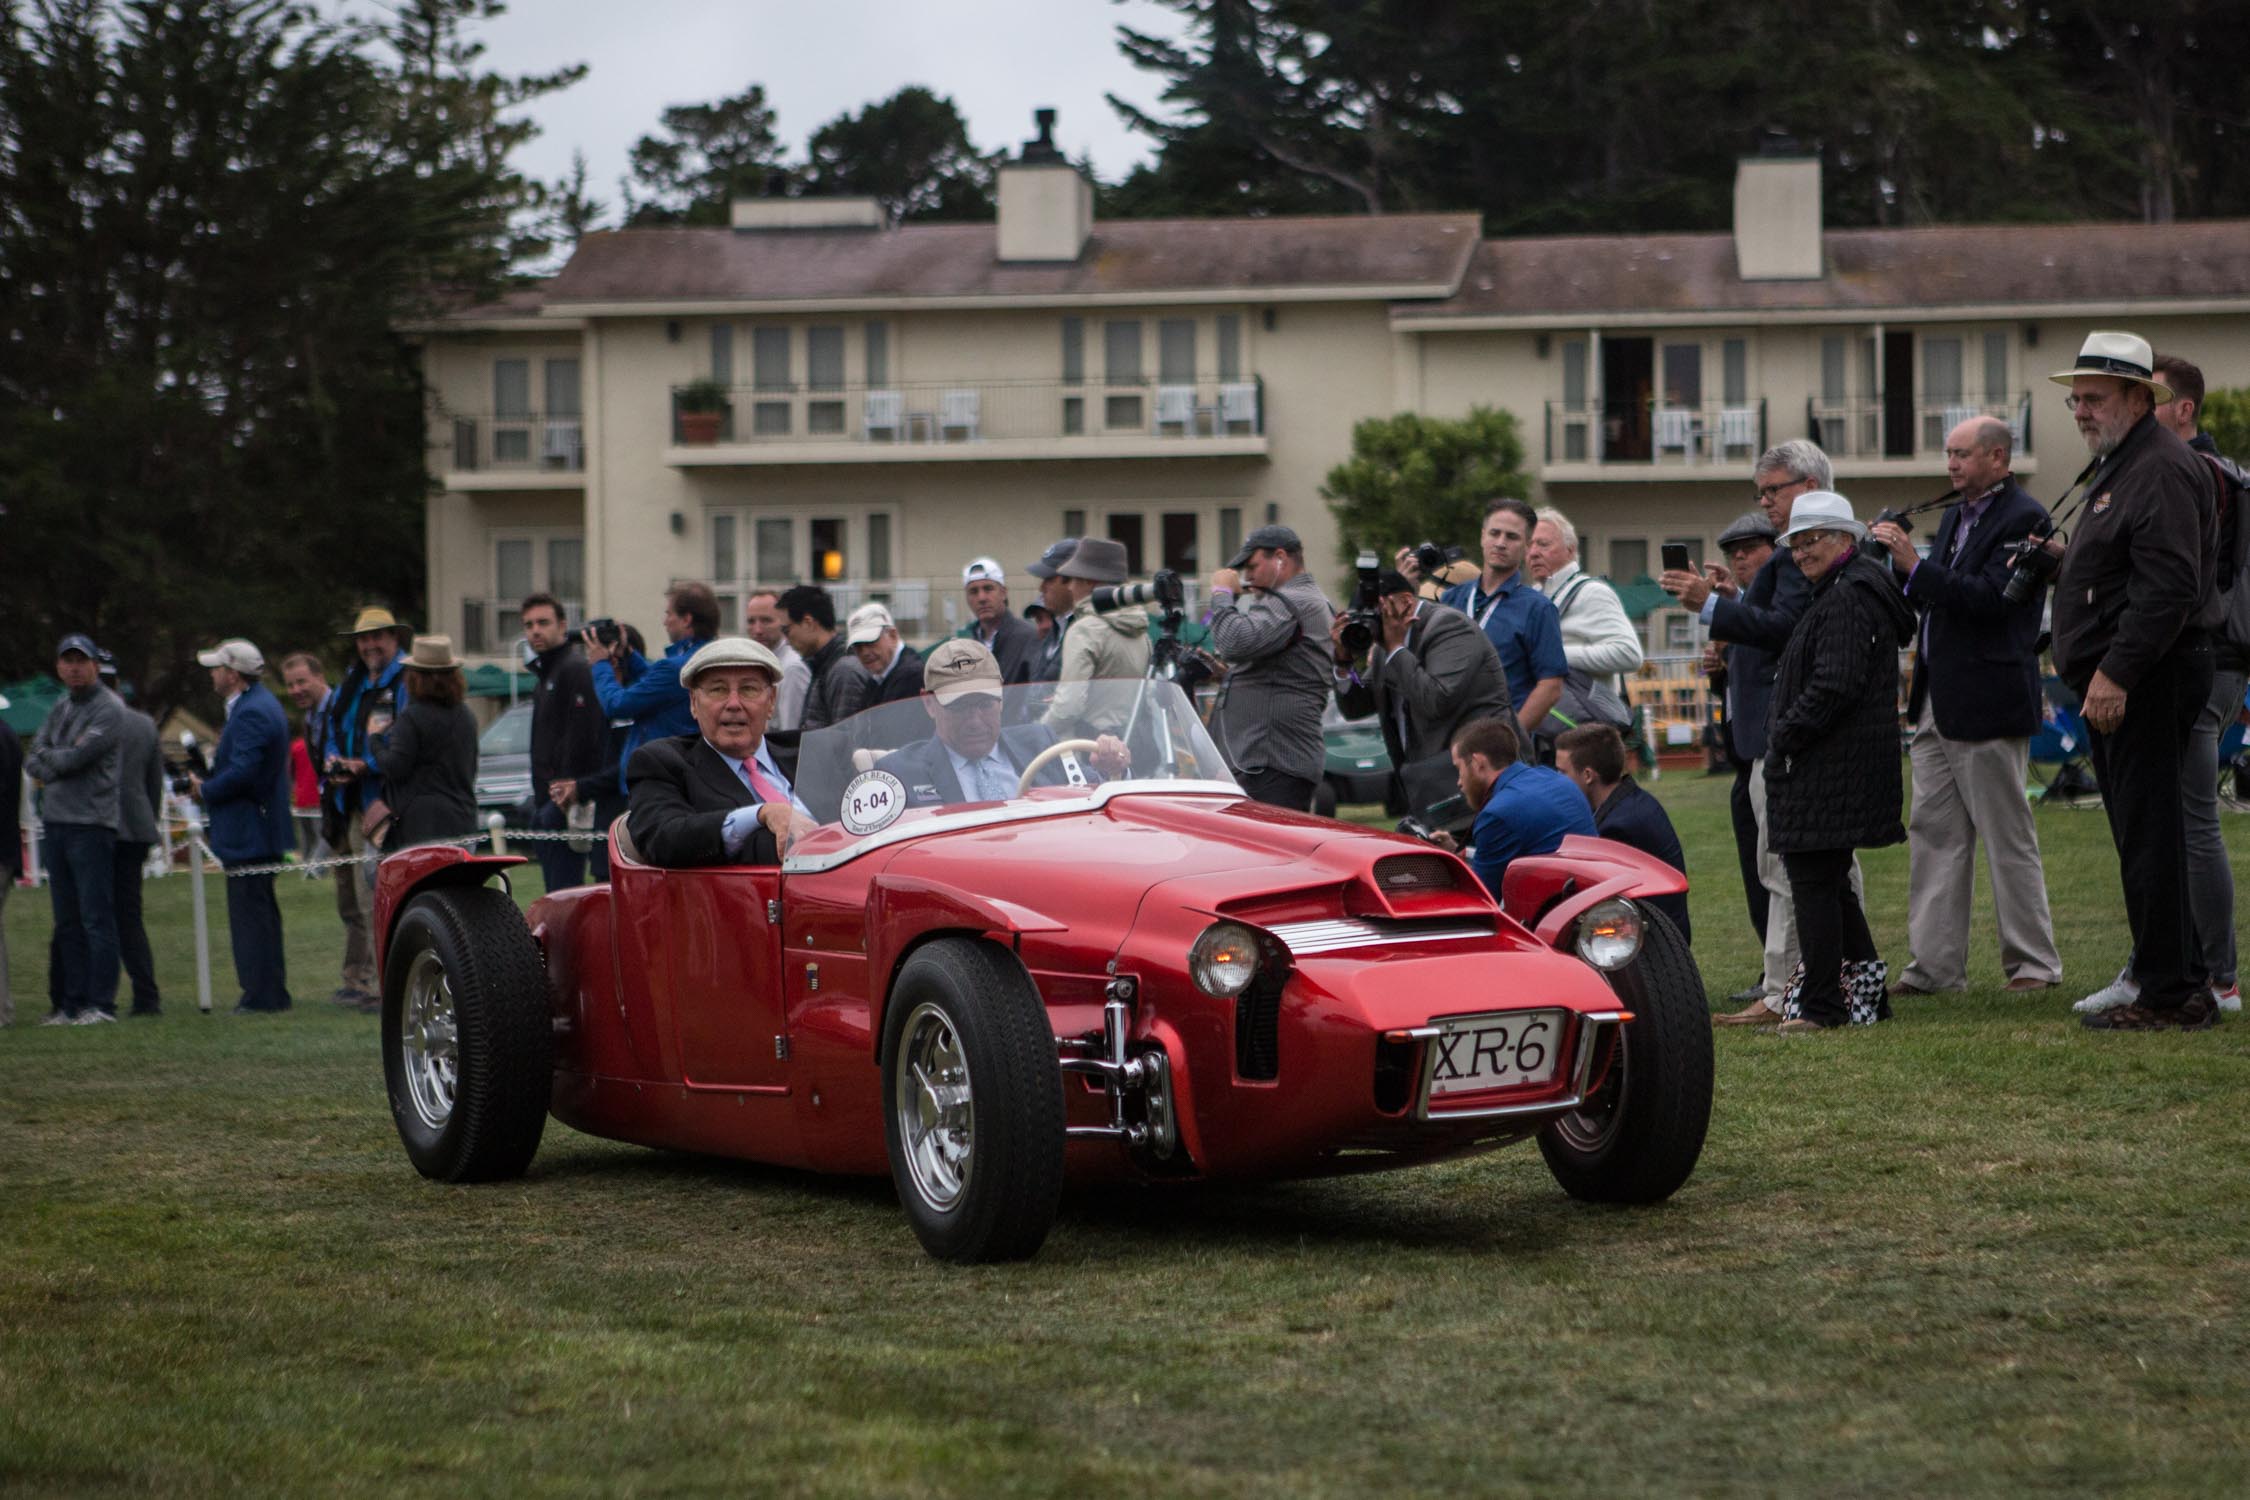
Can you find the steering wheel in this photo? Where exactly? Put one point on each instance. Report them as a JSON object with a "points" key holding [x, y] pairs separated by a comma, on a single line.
{"points": [[1044, 758]]}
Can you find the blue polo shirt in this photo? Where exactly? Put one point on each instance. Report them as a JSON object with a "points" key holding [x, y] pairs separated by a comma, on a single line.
{"points": [[1522, 625], [1529, 811]]}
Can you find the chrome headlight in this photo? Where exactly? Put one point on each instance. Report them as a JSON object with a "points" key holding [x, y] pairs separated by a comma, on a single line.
{"points": [[1224, 959], [1609, 935]]}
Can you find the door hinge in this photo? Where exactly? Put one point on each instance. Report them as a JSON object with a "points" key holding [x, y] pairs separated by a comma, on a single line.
{"points": [[773, 912], [781, 1048], [812, 976]]}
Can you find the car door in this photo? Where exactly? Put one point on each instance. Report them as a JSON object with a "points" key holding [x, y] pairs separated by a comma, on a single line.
{"points": [[724, 957]]}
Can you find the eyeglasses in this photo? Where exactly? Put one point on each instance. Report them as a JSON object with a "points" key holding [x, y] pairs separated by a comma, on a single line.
{"points": [[972, 703], [2092, 402], [1770, 491]]}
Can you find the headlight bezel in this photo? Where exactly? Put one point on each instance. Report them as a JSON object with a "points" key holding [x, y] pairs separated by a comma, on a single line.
{"points": [[1610, 934], [1221, 953]]}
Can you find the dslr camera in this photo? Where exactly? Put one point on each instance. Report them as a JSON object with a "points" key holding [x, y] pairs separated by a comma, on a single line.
{"points": [[605, 631], [191, 759], [1363, 622], [1430, 559], [2032, 567]]}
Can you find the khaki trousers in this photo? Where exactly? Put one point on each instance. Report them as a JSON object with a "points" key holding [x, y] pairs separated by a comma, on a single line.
{"points": [[1781, 910], [355, 903], [1965, 790]]}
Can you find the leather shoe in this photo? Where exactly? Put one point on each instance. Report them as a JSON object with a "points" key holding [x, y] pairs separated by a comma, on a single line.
{"points": [[1757, 1013], [1910, 989], [1801, 1026], [1746, 995], [2027, 984]]}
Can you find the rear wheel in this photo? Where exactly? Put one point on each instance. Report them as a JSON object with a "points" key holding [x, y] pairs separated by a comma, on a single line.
{"points": [[974, 1103], [1637, 1138], [468, 1047]]}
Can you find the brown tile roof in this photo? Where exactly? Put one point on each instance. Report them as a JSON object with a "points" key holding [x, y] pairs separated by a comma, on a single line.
{"points": [[1867, 269], [961, 260]]}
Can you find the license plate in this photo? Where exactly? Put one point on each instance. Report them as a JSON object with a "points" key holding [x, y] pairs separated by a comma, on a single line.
{"points": [[1477, 1054]]}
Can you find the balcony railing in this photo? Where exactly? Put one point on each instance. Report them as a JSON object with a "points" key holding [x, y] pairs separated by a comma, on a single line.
{"points": [[945, 412], [491, 627], [1641, 432], [518, 442], [1901, 427]]}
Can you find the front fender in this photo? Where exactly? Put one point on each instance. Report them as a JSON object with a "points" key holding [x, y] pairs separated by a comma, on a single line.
{"points": [[903, 909], [1548, 892], [402, 874]]}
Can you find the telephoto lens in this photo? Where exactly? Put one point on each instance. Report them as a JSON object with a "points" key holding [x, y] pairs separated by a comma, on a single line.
{"points": [[2034, 566]]}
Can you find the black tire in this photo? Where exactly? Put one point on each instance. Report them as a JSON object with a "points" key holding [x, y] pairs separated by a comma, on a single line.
{"points": [[1324, 799], [1638, 1137], [966, 1013], [491, 993]]}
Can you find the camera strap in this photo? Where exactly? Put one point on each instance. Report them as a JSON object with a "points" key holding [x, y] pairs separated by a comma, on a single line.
{"points": [[2059, 514]]}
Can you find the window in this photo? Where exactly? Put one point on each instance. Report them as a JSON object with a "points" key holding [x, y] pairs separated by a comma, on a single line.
{"points": [[1121, 411], [1996, 368], [878, 353], [723, 558], [1229, 326], [1941, 388], [511, 569], [1679, 632], [511, 411], [1128, 530], [775, 547], [770, 418], [1121, 365], [566, 568], [1074, 415], [1175, 351], [1832, 370], [1178, 529], [825, 417], [1734, 364], [828, 562], [722, 353], [562, 388], [1074, 523], [1628, 560], [824, 358], [1073, 350], [1574, 425], [1683, 375], [1230, 531], [769, 360], [878, 546]]}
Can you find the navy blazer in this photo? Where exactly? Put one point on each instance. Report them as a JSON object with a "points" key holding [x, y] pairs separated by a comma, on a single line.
{"points": [[1631, 816], [247, 792], [1756, 627], [1983, 664], [927, 771], [682, 791]]}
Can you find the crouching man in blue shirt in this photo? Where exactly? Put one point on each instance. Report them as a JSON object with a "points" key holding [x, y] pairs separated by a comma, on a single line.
{"points": [[1526, 809]]}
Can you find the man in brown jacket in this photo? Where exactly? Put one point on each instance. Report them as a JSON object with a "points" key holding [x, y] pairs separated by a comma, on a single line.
{"points": [[2132, 610]]}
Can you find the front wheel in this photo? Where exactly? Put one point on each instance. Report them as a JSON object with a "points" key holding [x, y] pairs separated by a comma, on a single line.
{"points": [[974, 1116], [1637, 1138], [468, 1047]]}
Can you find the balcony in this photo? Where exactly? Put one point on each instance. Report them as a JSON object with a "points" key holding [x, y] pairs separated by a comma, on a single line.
{"points": [[491, 627], [515, 451], [1902, 436], [962, 421], [1604, 440]]}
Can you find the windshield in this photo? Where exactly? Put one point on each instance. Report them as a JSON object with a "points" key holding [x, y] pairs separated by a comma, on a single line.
{"points": [[979, 749], [510, 734]]}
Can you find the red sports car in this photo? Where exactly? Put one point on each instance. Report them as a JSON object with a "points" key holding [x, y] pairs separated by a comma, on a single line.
{"points": [[1144, 976]]}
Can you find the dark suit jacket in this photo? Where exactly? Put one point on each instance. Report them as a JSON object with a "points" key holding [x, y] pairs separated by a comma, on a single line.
{"points": [[927, 771], [1983, 664], [903, 681], [1756, 627], [1015, 646], [1447, 675], [1632, 816], [247, 792], [679, 794]]}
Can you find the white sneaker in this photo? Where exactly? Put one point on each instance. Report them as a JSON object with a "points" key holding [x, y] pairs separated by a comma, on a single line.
{"points": [[2123, 990], [94, 1017], [2230, 998]]}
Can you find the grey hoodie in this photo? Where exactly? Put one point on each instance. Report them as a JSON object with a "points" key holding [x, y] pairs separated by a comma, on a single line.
{"points": [[75, 758], [1113, 645]]}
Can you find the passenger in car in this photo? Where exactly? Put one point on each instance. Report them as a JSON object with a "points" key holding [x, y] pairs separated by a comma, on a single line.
{"points": [[972, 758], [717, 796]]}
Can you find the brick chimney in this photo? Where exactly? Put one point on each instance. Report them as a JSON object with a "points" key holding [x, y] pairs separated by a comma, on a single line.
{"points": [[1046, 207], [1777, 218]]}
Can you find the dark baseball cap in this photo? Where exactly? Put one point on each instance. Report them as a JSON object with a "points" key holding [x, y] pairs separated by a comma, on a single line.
{"points": [[1051, 561], [81, 643], [1390, 581], [1270, 538]]}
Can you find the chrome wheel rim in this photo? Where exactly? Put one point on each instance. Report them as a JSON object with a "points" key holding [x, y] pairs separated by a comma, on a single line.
{"points": [[935, 1110], [1590, 1128], [429, 1040]]}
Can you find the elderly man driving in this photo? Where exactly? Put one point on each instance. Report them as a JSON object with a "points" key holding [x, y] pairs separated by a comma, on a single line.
{"points": [[717, 796], [971, 758]]}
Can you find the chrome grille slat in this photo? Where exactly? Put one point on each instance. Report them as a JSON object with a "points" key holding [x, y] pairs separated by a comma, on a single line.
{"points": [[1333, 934]]}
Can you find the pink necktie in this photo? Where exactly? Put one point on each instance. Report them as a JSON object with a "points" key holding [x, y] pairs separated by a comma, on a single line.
{"points": [[766, 790]]}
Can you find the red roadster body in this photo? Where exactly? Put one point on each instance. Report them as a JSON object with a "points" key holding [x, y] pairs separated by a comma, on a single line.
{"points": [[1152, 977]]}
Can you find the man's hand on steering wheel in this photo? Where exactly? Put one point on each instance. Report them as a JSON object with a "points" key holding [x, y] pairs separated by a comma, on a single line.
{"points": [[1110, 757]]}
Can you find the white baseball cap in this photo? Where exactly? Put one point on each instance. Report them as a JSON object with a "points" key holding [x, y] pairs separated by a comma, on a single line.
{"points": [[238, 654], [984, 570], [867, 623]]}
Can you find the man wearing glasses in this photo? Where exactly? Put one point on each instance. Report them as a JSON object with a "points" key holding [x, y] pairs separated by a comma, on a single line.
{"points": [[717, 796], [972, 758], [1757, 622]]}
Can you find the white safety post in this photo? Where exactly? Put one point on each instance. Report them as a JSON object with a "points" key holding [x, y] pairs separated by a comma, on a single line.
{"points": [[497, 826], [202, 910]]}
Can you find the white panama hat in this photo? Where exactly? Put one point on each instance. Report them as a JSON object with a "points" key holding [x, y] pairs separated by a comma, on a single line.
{"points": [[2120, 356], [1824, 510]]}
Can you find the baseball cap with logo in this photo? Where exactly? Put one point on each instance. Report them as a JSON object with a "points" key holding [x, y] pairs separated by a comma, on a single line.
{"points": [[81, 643], [236, 653], [868, 622], [1051, 561], [957, 669], [984, 570], [1270, 539]]}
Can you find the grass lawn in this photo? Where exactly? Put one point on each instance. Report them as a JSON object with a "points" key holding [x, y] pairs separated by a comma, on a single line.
{"points": [[1976, 1251]]}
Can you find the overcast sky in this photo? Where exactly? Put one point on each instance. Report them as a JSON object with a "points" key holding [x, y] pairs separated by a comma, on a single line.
{"points": [[998, 59]]}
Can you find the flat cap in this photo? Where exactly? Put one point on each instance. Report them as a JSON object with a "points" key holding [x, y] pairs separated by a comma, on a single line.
{"points": [[730, 651]]}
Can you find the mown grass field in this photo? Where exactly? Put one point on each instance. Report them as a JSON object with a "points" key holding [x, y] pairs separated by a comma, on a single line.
{"points": [[1977, 1251]]}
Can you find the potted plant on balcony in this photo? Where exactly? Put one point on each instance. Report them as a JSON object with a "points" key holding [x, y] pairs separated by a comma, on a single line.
{"points": [[702, 405]]}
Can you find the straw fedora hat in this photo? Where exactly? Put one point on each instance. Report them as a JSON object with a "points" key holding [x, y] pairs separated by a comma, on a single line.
{"points": [[2120, 356], [373, 617], [432, 653]]}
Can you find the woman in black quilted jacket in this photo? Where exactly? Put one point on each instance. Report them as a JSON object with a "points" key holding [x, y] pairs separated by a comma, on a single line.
{"points": [[1832, 772]]}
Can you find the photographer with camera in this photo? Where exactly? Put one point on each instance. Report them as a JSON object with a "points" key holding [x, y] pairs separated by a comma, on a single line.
{"points": [[1099, 644], [1428, 670], [1974, 706], [367, 700], [647, 692], [1276, 644], [1520, 621]]}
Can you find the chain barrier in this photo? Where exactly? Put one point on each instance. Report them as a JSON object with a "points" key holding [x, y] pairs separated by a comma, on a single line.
{"points": [[338, 861]]}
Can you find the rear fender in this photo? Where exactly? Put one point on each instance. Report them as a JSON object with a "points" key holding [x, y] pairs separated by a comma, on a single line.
{"points": [[1549, 892], [401, 875], [903, 911]]}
